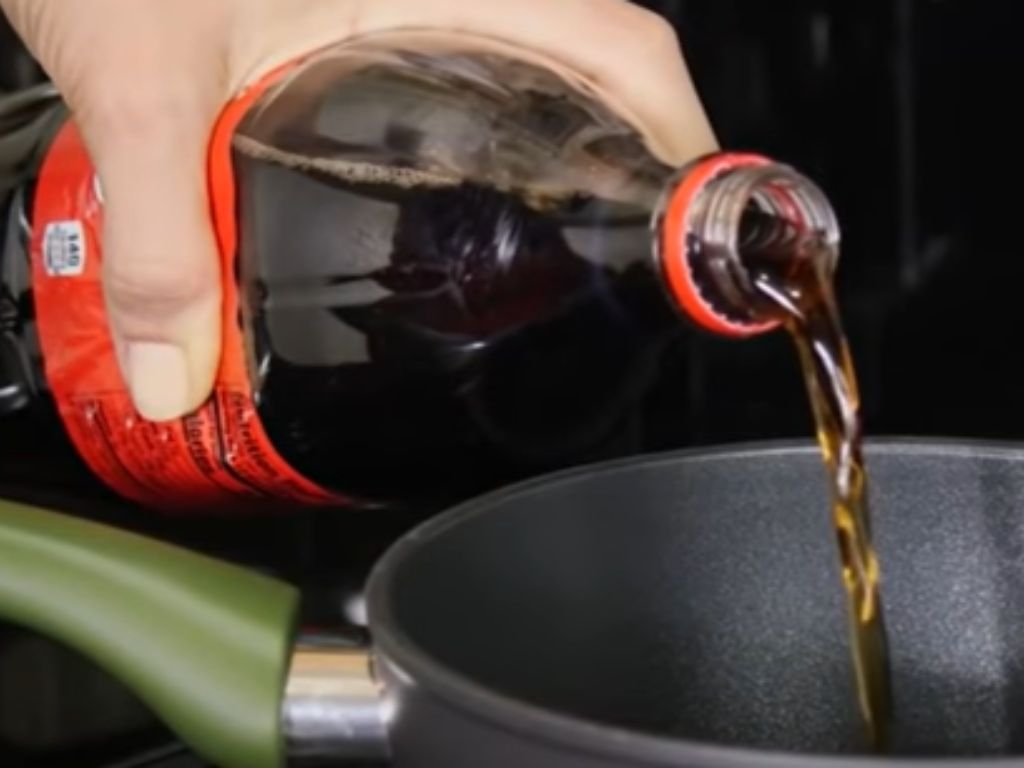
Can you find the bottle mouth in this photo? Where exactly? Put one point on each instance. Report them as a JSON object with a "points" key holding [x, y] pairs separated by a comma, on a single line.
{"points": [[728, 217]]}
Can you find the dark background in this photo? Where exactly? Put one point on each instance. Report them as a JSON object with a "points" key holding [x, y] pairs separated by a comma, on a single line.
{"points": [[904, 111]]}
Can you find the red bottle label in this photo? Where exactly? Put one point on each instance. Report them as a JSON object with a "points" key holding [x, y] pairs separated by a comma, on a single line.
{"points": [[219, 456]]}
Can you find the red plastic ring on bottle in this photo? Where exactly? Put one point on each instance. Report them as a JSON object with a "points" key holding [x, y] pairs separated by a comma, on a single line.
{"points": [[675, 252]]}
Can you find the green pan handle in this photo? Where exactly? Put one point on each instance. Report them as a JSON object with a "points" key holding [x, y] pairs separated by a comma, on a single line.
{"points": [[203, 643]]}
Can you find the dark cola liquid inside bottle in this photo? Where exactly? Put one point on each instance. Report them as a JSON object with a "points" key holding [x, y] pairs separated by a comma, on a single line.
{"points": [[468, 342], [448, 275]]}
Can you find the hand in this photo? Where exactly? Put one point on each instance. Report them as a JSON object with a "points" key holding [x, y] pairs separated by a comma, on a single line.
{"points": [[146, 79]]}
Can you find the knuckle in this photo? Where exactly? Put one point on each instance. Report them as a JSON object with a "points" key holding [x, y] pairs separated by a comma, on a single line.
{"points": [[653, 31], [136, 110], [153, 287]]}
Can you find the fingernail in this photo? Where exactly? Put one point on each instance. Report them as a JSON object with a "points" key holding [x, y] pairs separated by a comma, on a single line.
{"points": [[158, 378]]}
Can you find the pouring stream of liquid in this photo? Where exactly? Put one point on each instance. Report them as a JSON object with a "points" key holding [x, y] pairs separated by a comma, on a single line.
{"points": [[805, 299]]}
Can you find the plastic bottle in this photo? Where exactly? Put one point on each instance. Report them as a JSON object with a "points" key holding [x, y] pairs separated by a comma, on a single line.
{"points": [[445, 269]]}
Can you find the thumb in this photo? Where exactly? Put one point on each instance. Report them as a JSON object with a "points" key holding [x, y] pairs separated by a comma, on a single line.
{"points": [[160, 272]]}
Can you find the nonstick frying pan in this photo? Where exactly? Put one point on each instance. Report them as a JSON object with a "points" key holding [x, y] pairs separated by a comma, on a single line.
{"points": [[677, 610]]}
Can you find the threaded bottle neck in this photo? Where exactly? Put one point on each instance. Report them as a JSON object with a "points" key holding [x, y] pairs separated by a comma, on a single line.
{"points": [[728, 218]]}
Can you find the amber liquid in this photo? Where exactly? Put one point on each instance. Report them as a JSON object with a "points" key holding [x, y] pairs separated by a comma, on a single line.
{"points": [[804, 298]]}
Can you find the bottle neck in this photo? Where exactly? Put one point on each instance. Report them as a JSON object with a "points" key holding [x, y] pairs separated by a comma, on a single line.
{"points": [[725, 220]]}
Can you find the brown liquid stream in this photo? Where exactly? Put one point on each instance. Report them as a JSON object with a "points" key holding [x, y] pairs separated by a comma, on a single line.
{"points": [[807, 304]]}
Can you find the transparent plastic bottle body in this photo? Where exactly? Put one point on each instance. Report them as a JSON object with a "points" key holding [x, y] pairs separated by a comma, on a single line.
{"points": [[453, 269], [448, 272]]}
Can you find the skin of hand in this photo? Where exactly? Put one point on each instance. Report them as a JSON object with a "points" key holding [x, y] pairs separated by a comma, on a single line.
{"points": [[147, 79]]}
